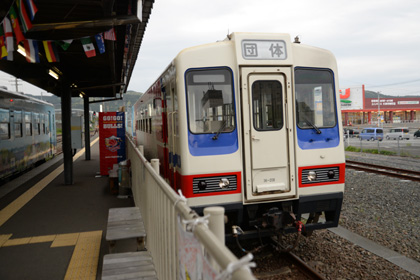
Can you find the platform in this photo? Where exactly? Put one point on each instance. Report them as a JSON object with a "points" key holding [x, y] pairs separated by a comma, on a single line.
{"points": [[49, 230]]}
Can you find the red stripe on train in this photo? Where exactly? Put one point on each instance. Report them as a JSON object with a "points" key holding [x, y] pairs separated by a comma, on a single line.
{"points": [[186, 184]]}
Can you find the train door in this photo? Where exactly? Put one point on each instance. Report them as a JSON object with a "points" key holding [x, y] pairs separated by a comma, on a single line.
{"points": [[172, 106], [268, 141]]}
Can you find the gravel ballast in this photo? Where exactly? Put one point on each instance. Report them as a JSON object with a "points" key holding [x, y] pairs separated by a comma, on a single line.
{"points": [[382, 209]]}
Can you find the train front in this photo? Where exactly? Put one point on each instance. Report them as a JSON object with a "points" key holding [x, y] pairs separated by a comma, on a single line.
{"points": [[263, 134]]}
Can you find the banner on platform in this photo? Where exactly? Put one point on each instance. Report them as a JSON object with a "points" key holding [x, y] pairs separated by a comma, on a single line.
{"points": [[111, 140], [193, 264]]}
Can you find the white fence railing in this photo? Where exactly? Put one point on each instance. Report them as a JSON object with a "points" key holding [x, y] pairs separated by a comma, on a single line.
{"points": [[160, 206]]}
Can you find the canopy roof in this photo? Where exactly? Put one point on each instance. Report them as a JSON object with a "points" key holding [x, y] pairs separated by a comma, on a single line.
{"points": [[103, 75]]}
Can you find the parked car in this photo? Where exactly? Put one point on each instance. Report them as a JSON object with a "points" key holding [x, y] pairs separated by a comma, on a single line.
{"points": [[372, 133], [348, 132], [398, 133], [417, 134]]}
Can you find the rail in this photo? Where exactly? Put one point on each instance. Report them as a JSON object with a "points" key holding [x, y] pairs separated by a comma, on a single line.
{"points": [[160, 206], [384, 170]]}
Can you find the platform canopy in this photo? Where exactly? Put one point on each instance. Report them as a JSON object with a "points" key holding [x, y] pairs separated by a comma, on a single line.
{"points": [[105, 74]]}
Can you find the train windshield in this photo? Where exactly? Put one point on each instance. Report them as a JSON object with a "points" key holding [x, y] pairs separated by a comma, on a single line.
{"points": [[315, 99], [210, 101]]}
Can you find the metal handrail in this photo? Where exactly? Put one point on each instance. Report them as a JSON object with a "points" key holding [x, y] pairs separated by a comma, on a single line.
{"points": [[160, 206]]}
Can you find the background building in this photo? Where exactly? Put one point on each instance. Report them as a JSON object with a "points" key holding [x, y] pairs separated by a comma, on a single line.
{"points": [[368, 107]]}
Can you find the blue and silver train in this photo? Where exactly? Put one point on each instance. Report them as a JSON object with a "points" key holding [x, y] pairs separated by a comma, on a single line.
{"points": [[27, 132]]}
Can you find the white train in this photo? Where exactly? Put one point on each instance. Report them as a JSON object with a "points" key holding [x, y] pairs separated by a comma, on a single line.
{"points": [[250, 123]]}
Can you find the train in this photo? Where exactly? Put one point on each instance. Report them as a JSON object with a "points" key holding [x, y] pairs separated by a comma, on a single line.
{"points": [[251, 123], [27, 132]]}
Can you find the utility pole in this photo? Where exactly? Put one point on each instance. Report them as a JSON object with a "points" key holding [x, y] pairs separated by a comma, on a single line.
{"points": [[379, 111], [16, 82]]}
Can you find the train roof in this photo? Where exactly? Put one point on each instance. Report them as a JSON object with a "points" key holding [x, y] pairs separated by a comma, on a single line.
{"points": [[6, 94]]}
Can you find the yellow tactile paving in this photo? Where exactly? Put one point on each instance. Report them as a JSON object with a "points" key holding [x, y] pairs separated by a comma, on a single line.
{"points": [[68, 239], [4, 238], [84, 261], [17, 241], [42, 239]]}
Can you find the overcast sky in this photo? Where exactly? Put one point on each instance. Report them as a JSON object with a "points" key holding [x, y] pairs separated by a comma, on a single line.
{"points": [[376, 42]]}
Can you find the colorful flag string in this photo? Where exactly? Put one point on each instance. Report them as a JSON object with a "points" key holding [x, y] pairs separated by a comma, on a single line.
{"points": [[19, 21]]}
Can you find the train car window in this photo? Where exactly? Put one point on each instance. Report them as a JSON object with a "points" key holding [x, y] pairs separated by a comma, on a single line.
{"points": [[315, 98], [18, 124], [37, 128], [210, 100], [28, 124], [47, 124], [267, 105], [150, 126], [4, 131], [43, 124], [4, 124]]}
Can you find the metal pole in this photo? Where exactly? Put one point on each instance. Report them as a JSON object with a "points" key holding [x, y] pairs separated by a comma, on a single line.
{"points": [[155, 165], [216, 225], [216, 221], [87, 126], [66, 128]]}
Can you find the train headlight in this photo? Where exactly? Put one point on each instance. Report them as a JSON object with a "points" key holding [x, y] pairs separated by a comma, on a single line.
{"points": [[331, 174], [224, 183], [311, 175], [202, 185]]}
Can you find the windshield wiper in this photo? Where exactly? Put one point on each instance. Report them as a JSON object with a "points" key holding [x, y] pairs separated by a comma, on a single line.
{"points": [[215, 137], [313, 126]]}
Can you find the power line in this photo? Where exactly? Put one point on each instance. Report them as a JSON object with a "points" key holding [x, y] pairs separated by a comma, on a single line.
{"points": [[395, 84]]}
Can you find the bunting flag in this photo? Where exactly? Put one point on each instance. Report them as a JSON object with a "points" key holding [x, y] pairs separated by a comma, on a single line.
{"points": [[50, 51], [31, 49], [88, 47], [32, 8], [24, 19], [7, 27], [12, 26], [64, 44], [3, 50], [15, 25], [100, 42], [110, 35]]}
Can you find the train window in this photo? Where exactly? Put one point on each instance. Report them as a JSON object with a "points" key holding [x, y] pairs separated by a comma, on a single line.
{"points": [[150, 126], [4, 131], [18, 130], [28, 124], [210, 100], [4, 116], [4, 124], [37, 128], [47, 124], [18, 124], [267, 105], [315, 98]]}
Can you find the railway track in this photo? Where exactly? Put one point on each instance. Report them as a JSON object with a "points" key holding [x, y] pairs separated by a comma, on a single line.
{"points": [[385, 170], [304, 268]]}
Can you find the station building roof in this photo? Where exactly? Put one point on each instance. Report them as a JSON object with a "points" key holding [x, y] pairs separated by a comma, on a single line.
{"points": [[106, 74]]}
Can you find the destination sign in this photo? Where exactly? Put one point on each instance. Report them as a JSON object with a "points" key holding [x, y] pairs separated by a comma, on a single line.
{"points": [[264, 49]]}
